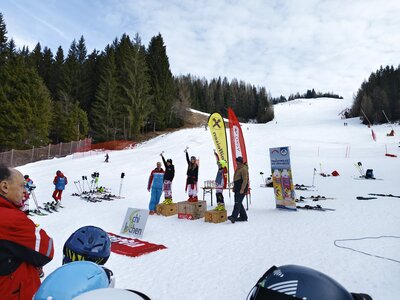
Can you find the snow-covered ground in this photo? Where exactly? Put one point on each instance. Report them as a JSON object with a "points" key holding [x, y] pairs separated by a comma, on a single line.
{"points": [[224, 261]]}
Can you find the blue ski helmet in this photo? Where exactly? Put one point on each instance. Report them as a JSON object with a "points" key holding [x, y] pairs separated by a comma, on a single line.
{"points": [[71, 280], [106, 294], [292, 282], [87, 243]]}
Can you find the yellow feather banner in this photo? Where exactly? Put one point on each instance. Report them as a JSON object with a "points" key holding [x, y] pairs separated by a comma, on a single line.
{"points": [[218, 134]]}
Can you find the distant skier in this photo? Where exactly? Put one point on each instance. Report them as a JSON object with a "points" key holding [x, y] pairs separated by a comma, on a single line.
{"points": [[192, 177], [168, 177], [156, 180], [107, 157], [60, 181], [220, 182]]}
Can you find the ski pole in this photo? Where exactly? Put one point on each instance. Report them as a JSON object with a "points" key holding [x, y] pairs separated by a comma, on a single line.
{"points": [[76, 186], [361, 168], [313, 178], [83, 184], [262, 176], [34, 199], [120, 185]]}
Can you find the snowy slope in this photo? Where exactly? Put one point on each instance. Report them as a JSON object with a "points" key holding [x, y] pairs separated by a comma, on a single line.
{"points": [[224, 261]]}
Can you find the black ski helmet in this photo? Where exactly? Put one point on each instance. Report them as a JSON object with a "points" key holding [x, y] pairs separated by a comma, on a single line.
{"points": [[293, 282], [89, 243]]}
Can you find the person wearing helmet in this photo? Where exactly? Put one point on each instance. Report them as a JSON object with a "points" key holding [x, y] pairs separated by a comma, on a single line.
{"points": [[168, 177], [60, 181], [292, 282], [29, 187], [220, 182], [192, 177], [89, 243], [71, 280]]}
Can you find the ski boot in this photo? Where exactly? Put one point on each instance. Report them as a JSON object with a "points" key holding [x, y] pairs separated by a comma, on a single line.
{"points": [[220, 207], [193, 199], [168, 201]]}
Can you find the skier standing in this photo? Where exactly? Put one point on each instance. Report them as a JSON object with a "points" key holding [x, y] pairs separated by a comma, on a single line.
{"points": [[240, 187], [220, 182], [168, 177], [156, 184], [192, 177], [29, 187], [60, 181]]}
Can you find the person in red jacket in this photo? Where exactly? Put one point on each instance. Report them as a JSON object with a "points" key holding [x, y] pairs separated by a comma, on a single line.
{"points": [[24, 248], [60, 181]]}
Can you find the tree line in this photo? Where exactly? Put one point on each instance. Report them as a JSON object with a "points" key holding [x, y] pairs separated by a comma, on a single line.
{"points": [[118, 93], [307, 95], [380, 93], [249, 102]]}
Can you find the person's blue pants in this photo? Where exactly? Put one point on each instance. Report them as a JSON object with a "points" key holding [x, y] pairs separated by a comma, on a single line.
{"points": [[155, 198]]}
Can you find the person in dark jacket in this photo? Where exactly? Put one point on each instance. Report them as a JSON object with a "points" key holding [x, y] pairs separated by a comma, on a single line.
{"points": [[220, 182], [155, 183], [168, 177], [24, 248], [192, 177], [60, 181], [240, 187]]}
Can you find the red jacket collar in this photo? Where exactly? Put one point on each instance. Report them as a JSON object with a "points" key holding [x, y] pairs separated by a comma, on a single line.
{"points": [[4, 202]]}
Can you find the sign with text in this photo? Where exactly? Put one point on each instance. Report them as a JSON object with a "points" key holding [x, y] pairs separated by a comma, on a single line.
{"points": [[282, 181], [135, 222]]}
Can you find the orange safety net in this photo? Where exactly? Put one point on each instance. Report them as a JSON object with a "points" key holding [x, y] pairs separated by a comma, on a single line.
{"points": [[113, 145]]}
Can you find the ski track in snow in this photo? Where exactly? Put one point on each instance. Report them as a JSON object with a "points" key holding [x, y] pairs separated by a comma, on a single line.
{"points": [[224, 261]]}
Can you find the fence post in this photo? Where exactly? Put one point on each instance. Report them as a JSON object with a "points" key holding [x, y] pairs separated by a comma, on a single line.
{"points": [[12, 158], [59, 152], [33, 151], [48, 153], [70, 149]]}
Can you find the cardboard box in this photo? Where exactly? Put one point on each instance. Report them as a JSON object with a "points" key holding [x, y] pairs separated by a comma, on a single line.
{"points": [[216, 216], [167, 210], [191, 210]]}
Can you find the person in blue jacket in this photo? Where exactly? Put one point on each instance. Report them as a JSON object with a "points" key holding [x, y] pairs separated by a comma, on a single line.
{"points": [[60, 181], [156, 182]]}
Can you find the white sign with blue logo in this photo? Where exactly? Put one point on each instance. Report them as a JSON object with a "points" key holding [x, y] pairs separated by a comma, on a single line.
{"points": [[135, 222]]}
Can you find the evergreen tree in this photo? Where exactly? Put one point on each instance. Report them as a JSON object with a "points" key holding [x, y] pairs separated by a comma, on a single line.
{"points": [[104, 108], [26, 107], [69, 121], [3, 40], [162, 88]]}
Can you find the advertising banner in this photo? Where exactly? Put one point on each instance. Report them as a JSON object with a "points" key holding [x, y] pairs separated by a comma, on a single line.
{"points": [[130, 246], [238, 146], [282, 181], [135, 222], [218, 134]]}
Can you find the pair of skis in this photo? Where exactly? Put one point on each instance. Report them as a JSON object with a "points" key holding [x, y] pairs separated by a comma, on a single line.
{"points": [[315, 207], [379, 195], [316, 198]]}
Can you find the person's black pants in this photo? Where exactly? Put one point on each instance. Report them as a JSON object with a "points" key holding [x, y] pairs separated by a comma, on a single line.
{"points": [[238, 208]]}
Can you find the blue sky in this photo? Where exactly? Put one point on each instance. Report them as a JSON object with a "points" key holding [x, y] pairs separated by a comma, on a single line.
{"points": [[288, 46]]}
